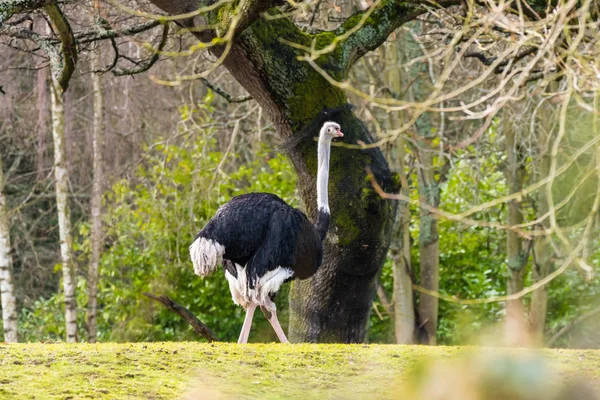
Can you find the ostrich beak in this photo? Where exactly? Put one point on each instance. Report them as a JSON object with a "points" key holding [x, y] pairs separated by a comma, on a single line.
{"points": [[339, 133]]}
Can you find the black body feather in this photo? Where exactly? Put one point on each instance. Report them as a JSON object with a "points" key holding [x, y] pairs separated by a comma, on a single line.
{"points": [[262, 232]]}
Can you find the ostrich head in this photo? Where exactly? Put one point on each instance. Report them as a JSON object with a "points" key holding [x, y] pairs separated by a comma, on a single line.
{"points": [[331, 130]]}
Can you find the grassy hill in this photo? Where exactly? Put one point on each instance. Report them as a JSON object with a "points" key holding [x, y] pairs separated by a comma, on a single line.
{"points": [[275, 371]]}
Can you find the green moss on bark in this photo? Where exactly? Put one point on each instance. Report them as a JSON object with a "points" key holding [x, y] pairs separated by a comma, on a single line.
{"points": [[361, 220], [301, 91]]}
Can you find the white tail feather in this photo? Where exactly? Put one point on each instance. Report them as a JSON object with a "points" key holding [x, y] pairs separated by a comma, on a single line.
{"points": [[269, 283], [206, 255]]}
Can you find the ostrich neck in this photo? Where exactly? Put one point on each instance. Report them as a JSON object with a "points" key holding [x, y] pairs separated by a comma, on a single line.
{"points": [[323, 173]]}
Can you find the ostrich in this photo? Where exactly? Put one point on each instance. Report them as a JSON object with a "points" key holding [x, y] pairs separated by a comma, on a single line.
{"points": [[263, 242]]}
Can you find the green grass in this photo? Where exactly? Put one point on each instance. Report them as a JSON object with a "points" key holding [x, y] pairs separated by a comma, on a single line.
{"points": [[273, 371]]}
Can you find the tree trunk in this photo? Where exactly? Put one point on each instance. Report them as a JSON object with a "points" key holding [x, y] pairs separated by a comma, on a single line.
{"points": [[64, 222], [7, 290], [539, 297], [334, 305], [542, 247], [429, 195], [515, 255], [404, 307], [42, 123], [96, 201]]}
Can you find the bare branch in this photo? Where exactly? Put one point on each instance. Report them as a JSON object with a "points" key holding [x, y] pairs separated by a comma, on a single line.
{"points": [[372, 27], [145, 66], [203, 13], [198, 326], [522, 53], [95, 35], [115, 60], [315, 12], [65, 67], [224, 94], [11, 7], [386, 302], [570, 325], [62, 68]]}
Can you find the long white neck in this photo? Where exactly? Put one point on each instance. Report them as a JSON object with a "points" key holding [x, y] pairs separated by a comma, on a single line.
{"points": [[323, 173]]}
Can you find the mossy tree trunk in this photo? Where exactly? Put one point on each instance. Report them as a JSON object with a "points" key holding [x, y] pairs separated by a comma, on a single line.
{"points": [[334, 305]]}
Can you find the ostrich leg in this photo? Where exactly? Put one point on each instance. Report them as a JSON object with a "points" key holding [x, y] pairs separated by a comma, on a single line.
{"points": [[270, 311], [247, 324]]}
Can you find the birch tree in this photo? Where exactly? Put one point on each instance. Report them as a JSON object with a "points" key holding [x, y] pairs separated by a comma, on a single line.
{"points": [[63, 64], [7, 290], [96, 201], [42, 123], [61, 185]]}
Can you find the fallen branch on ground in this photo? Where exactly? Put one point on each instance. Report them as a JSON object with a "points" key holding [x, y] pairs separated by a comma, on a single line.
{"points": [[571, 324], [186, 314]]}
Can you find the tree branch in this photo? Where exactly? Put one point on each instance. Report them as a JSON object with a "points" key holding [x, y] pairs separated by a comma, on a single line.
{"points": [[11, 7], [519, 55], [198, 326], [385, 300], [244, 13], [43, 43], [145, 66], [315, 12], [115, 60], [370, 28], [95, 35], [92, 35], [63, 68], [571, 324], [224, 94]]}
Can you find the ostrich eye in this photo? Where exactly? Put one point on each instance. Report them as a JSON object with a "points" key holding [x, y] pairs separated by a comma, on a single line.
{"points": [[328, 130]]}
